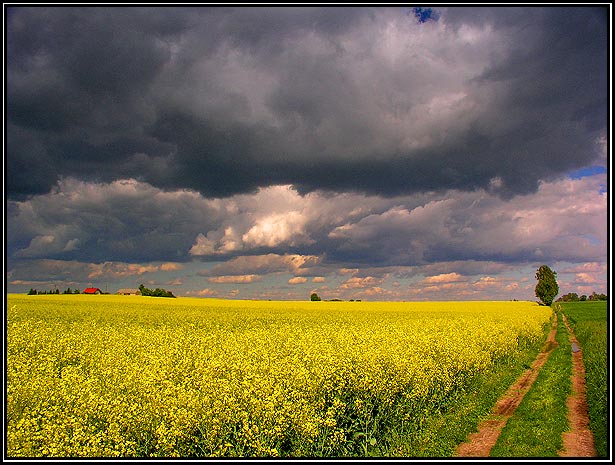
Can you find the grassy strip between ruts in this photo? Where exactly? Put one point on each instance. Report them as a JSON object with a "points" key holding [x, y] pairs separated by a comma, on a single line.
{"points": [[535, 429], [442, 432], [589, 323]]}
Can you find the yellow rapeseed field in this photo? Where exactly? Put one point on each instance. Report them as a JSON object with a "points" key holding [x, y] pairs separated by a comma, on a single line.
{"points": [[128, 376]]}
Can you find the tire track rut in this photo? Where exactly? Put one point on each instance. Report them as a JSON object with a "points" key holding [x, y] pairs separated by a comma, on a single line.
{"points": [[579, 441]]}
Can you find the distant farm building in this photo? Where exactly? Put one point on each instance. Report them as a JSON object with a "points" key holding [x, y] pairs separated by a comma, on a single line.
{"points": [[92, 290], [128, 292]]}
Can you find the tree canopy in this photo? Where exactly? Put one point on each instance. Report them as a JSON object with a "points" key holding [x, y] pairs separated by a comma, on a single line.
{"points": [[547, 287], [155, 293]]}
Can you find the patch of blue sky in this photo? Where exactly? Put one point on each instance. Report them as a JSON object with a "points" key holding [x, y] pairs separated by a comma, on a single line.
{"points": [[587, 171], [425, 14], [592, 239]]}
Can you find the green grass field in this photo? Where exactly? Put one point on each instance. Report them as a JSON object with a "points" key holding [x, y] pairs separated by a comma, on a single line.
{"points": [[589, 323]]}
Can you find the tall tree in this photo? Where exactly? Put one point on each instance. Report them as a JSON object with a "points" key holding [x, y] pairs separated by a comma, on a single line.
{"points": [[547, 287]]}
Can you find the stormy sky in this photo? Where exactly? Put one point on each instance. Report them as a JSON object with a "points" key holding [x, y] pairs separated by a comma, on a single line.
{"points": [[374, 153]]}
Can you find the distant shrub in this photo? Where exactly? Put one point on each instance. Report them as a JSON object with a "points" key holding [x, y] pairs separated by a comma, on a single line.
{"points": [[155, 293]]}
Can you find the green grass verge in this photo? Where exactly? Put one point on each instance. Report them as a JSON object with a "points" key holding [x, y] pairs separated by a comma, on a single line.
{"points": [[535, 429], [589, 323], [441, 432]]}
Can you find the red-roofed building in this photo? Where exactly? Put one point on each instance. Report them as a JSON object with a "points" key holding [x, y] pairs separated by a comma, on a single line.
{"points": [[92, 290]]}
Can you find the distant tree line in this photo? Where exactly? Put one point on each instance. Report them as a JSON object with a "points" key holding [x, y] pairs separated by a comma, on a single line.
{"points": [[574, 297], [316, 298], [53, 291], [155, 293]]}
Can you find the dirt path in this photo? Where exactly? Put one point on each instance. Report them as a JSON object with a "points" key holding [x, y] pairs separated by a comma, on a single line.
{"points": [[579, 441], [479, 444]]}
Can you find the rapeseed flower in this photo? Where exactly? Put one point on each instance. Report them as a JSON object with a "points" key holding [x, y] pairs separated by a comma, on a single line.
{"points": [[136, 377]]}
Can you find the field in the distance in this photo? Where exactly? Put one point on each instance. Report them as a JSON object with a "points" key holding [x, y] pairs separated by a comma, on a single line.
{"points": [[139, 376]]}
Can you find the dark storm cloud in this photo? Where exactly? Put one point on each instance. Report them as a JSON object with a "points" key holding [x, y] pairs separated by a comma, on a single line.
{"points": [[125, 220], [226, 100], [77, 86]]}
